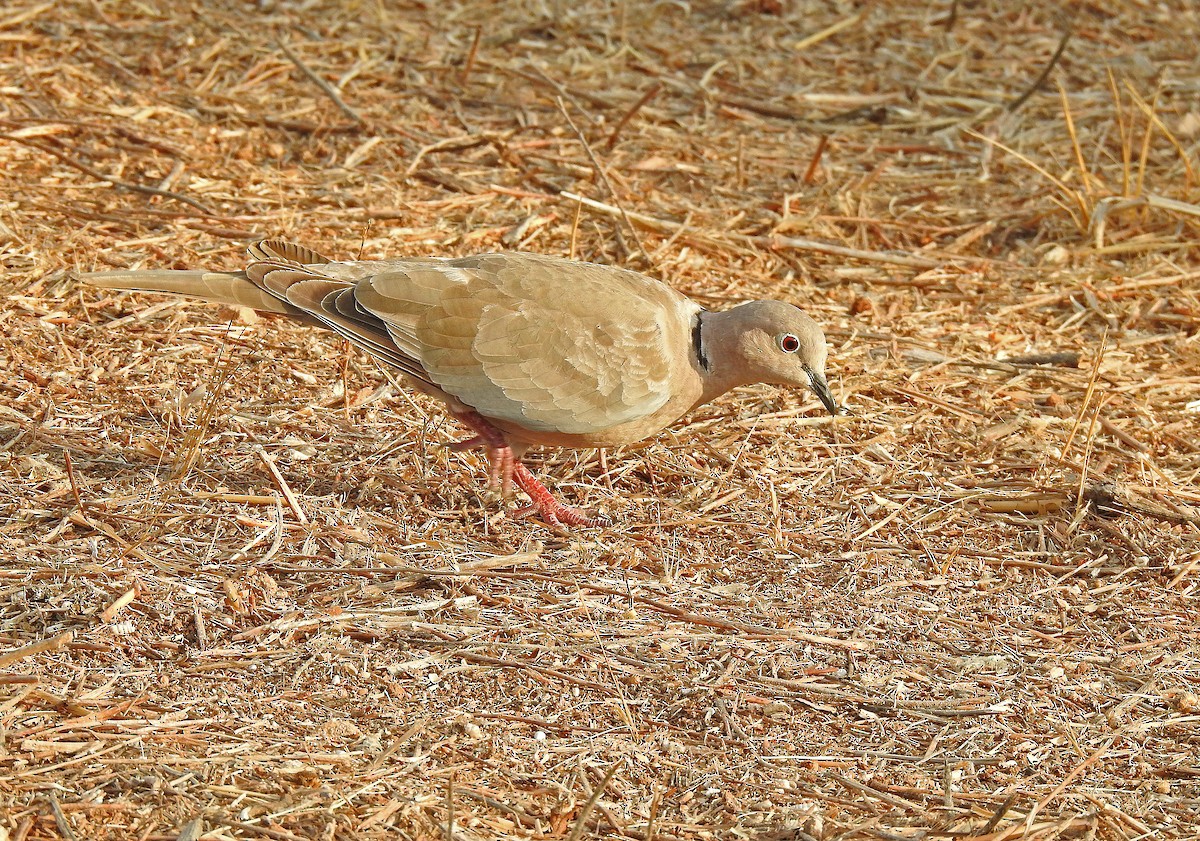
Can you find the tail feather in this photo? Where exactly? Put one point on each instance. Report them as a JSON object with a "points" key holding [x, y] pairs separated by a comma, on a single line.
{"points": [[219, 287]]}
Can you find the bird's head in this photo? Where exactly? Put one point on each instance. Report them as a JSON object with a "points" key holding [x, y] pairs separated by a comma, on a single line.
{"points": [[776, 343]]}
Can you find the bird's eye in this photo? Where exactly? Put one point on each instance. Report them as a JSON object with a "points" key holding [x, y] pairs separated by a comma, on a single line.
{"points": [[788, 343]]}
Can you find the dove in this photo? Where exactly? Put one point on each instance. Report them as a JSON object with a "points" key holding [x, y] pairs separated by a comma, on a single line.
{"points": [[525, 350]]}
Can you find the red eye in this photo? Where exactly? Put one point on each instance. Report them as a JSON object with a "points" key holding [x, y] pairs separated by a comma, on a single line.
{"points": [[789, 343]]}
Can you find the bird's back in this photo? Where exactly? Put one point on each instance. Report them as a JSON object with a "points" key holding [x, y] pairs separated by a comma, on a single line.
{"points": [[552, 350], [547, 344]]}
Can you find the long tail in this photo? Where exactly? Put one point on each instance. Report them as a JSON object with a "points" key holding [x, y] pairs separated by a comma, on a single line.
{"points": [[219, 287]]}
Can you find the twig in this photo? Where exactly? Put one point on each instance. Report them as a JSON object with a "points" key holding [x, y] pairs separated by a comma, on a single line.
{"points": [[74, 484], [637, 106], [863, 788], [22, 831], [828, 32], [1068, 118], [766, 109], [581, 821], [108, 179], [299, 126], [325, 87], [603, 176], [192, 830], [1087, 398], [654, 803], [697, 619], [259, 829], [769, 242], [519, 815], [40, 647], [198, 620], [815, 161], [1153, 117], [1000, 812], [806, 244], [1089, 444], [118, 604], [127, 548], [575, 231], [486, 660], [1121, 435], [448, 144], [1037, 83], [1064, 359], [649, 222], [536, 74], [60, 819], [282, 485], [951, 16], [193, 439], [1075, 772], [470, 63]]}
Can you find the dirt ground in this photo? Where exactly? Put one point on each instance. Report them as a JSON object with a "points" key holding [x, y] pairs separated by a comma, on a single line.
{"points": [[246, 593]]}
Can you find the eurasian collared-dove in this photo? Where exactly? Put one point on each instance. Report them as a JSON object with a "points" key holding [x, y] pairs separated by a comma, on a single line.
{"points": [[524, 349]]}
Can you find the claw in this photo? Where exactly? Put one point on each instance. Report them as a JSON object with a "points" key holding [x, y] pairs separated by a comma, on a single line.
{"points": [[545, 505], [468, 444], [504, 469]]}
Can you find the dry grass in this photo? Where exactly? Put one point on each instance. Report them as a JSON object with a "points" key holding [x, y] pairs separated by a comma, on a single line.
{"points": [[246, 595]]}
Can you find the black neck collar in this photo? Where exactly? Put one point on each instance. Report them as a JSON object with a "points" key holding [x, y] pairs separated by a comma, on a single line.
{"points": [[699, 349]]}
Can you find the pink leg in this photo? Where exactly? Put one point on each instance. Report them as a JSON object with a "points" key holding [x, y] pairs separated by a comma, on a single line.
{"points": [[504, 469], [499, 453], [544, 503]]}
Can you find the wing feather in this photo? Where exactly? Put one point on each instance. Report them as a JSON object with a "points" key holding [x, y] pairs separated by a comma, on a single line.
{"points": [[277, 269], [539, 342]]}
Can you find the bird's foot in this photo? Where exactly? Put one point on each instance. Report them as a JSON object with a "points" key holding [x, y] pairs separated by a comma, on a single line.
{"points": [[546, 506], [501, 460], [504, 469]]}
